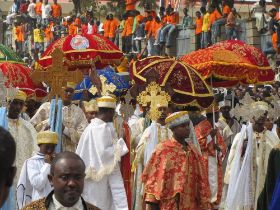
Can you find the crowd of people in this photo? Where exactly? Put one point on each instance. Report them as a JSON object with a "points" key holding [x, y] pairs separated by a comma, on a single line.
{"points": [[115, 153], [224, 157], [36, 24]]}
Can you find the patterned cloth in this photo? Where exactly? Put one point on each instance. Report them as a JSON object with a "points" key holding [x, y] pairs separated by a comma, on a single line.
{"points": [[202, 131], [47, 203], [174, 178]]}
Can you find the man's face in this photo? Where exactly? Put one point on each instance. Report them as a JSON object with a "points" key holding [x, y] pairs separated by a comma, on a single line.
{"points": [[225, 110], [47, 149], [68, 181], [198, 15], [68, 94], [15, 108], [258, 125], [164, 112], [182, 131]]}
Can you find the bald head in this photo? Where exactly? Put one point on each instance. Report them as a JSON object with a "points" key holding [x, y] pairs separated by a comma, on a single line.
{"points": [[61, 157]]}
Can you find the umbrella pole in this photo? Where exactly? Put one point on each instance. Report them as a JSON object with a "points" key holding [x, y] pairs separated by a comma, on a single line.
{"points": [[214, 119]]}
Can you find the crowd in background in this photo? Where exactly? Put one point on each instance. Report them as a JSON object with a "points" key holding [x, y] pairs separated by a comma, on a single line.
{"points": [[37, 23]]}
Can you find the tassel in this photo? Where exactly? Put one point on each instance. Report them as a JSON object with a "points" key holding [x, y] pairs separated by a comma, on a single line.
{"points": [[58, 126]]}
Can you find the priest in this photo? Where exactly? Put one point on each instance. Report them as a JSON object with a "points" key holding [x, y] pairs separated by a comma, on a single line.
{"points": [[213, 151], [248, 158], [101, 151], [174, 177], [74, 120], [22, 131], [157, 132]]}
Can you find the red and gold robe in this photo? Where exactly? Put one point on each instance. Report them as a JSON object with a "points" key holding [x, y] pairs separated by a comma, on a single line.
{"points": [[202, 131], [175, 178], [126, 167]]}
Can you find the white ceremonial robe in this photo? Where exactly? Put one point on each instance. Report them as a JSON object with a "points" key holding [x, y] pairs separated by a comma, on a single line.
{"points": [[137, 129], [151, 137], [26, 144], [262, 145], [33, 182], [74, 121], [101, 152], [228, 134]]}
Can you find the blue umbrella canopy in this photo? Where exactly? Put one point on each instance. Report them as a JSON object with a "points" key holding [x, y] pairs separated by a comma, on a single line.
{"points": [[121, 81]]}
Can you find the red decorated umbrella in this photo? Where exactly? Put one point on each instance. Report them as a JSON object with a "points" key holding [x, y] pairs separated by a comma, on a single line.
{"points": [[229, 65], [188, 86], [18, 76], [82, 51]]}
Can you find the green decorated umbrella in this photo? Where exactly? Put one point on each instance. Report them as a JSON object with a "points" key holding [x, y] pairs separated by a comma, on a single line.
{"points": [[8, 55]]}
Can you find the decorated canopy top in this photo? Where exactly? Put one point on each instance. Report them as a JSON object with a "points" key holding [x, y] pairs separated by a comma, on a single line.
{"points": [[81, 51], [189, 87], [229, 63], [19, 76]]}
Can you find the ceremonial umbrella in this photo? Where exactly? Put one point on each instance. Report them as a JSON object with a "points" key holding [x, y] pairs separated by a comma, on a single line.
{"points": [[188, 86], [82, 51], [8, 55], [120, 81], [230, 63], [18, 76]]}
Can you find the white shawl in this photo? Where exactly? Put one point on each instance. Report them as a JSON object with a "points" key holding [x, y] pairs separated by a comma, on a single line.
{"points": [[100, 149]]}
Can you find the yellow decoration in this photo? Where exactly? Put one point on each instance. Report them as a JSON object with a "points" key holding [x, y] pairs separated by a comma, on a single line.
{"points": [[156, 97], [91, 106], [71, 85], [107, 89], [47, 137], [57, 75], [175, 116], [20, 95], [107, 102], [123, 66]]}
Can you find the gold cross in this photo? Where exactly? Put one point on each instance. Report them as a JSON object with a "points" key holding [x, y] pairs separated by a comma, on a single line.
{"points": [[57, 75], [156, 97], [106, 88]]}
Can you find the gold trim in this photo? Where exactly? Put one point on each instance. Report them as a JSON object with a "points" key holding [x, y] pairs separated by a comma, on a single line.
{"points": [[175, 116], [87, 50]]}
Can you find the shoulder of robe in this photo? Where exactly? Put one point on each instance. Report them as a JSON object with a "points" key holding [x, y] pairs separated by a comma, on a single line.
{"points": [[36, 205], [277, 147]]}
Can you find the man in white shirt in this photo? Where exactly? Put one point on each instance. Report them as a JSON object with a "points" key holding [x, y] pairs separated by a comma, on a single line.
{"points": [[32, 13], [101, 150], [67, 178], [46, 12], [33, 181]]}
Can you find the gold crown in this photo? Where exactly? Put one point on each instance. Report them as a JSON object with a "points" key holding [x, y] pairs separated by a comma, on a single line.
{"points": [[47, 137], [154, 96], [106, 102], [90, 106], [20, 95]]}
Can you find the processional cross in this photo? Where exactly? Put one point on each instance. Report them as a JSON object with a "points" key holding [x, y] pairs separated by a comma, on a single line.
{"points": [[156, 97], [105, 87], [57, 75]]}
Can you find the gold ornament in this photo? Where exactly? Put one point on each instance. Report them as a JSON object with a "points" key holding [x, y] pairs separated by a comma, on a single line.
{"points": [[156, 97], [106, 89], [57, 75]]}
